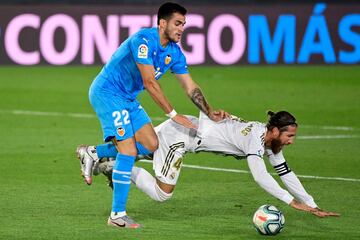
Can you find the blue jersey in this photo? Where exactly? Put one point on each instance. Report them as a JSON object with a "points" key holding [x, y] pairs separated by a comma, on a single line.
{"points": [[121, 76]]}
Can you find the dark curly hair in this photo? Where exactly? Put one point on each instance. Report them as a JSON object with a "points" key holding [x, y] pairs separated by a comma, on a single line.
{"points": [[167, 9], [281, 120]]}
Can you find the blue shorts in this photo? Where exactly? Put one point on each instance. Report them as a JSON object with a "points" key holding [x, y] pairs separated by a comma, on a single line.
{"points": [[119, 118]]}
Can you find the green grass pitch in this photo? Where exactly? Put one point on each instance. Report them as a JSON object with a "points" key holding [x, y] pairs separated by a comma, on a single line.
{"points": [[44, 197]]}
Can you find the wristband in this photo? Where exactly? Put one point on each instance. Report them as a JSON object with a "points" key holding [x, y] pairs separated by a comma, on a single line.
{"points": [[171, 114]]}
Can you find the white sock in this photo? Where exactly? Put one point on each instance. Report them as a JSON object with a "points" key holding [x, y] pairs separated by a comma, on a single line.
{"points": [[147, 183], [114, 215]]}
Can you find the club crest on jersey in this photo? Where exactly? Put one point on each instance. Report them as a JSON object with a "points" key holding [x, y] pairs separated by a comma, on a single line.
{"points": [[120, 131], [167, 59], [172, 176], [143, 51]]}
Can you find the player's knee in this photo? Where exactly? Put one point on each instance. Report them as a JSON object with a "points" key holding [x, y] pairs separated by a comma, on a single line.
{"points": [[161, 195], [127, 147], [129, 152]]}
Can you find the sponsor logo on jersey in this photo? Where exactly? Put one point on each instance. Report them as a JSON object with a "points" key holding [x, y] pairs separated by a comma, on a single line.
{"points": [[167, 59], [143, 51], [120, 131], [147, 41]]}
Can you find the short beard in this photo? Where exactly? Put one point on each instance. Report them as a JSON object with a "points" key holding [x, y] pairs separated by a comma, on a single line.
{"points": [[167, 35], [276, 146]]}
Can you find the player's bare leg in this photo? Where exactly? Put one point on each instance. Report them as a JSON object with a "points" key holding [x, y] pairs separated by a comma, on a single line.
{"points": [[147, 137]]}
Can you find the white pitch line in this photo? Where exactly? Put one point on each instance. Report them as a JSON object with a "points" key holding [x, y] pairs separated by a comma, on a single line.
{"points": [[327, 137], [341, 128], [248, 172], [35, 113], [50, 114]]}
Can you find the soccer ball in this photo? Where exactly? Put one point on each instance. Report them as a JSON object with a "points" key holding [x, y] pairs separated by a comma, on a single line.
{"points": [[268, 220]]}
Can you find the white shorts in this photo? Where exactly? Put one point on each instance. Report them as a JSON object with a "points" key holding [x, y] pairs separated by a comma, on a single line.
{"points": [[174, 141]]}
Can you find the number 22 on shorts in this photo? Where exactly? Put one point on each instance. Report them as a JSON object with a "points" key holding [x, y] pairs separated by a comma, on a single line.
{"points": [[121, 118]]}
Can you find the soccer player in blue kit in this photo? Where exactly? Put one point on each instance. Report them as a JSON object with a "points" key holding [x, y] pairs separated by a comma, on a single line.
{"points": [[137, 65]]}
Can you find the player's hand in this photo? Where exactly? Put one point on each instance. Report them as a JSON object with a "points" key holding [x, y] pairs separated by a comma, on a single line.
{"points": [[321, 213], [301, 206], [316, 211], [218, 115], [181, 119]]}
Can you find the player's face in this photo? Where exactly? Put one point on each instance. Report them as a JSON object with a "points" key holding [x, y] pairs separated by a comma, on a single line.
{"points": [[285, 138], [175, 27]]}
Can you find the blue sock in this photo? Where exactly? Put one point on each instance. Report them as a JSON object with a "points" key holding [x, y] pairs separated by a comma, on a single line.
{"points": [[106, 150], [121, 181], [109, 150], [141, 149]]}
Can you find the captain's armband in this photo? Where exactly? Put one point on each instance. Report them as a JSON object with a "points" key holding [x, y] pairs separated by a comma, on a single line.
{"points": [[282, 169]]}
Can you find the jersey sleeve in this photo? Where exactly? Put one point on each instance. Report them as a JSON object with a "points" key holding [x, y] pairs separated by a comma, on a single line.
{"points": [[289, 178], [265, 180], [141, 50], [180, 66]]}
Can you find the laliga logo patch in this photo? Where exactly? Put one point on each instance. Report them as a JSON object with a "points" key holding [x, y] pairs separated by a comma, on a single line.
{"points": [[167, 59], [120, 131], [142, 51]]}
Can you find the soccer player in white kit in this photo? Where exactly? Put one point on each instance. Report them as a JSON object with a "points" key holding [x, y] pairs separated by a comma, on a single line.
{"points": [[236, 137]]}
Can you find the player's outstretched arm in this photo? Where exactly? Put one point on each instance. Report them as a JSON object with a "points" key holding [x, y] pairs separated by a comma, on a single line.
{"points": [[316, 211], [155, 91], [294, 185], [289, 178], [197, 97]]}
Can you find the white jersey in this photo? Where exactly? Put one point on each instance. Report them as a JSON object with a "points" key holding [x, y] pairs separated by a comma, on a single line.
{"points": [[235, 137]]}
